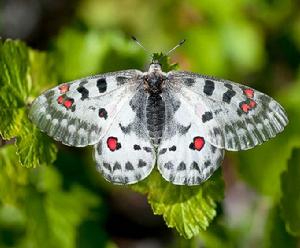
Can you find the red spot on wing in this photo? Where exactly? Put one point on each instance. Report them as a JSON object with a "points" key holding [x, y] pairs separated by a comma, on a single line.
{"points": [[112, 143], [245, 107], [60, 100], [68, 103], [198, 143], [64, 88], [249, 93], [252, 104]]}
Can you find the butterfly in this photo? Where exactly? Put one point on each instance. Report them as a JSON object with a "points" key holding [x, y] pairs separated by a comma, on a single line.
{"points": [[179, 121]]}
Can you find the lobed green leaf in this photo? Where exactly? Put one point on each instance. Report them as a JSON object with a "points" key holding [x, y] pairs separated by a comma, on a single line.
{"points": [[25, 73], [189, 209], [290, 200]]}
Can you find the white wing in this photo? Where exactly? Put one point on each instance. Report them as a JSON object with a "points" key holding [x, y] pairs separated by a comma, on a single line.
{"points": [[234, 117], [80, 112]]}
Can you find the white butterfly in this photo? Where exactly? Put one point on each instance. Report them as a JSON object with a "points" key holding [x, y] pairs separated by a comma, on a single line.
{"points": [[181, 121]]}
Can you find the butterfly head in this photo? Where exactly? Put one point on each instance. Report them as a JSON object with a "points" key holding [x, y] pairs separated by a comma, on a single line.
{"points": [[154, 78]]}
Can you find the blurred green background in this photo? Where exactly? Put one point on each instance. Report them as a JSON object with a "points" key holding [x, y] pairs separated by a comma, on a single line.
{"points": [[68, 204]]}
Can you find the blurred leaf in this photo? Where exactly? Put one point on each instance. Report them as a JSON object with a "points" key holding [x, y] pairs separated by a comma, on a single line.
{"points": [[275, 233], [217, 235], [290, 201], [206, 54], [83, 53], [78, 53], [263, 172], [189, 209], [35, 201], [42, 71], [238, 35]]}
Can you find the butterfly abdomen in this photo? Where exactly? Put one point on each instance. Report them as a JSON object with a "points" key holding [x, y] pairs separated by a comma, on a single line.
{"points": [[155, 113]]}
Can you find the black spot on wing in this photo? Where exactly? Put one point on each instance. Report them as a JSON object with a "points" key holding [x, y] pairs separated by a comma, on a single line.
{"points": [[136, 147], [189, 82], [209, 87], [162, 151], [195, 166], [83, 82], [192, 146], [207, 116], [118, 146], [107, 166], [147, 149], [229, 86], [121, 80], [213, 149], [102, 113], [142, 163], [171, 178], [101, 85], [84, 92], [182, 129], [124, 129], [207, 163], [228, 95], [181, 166], [117, 166], [129, 166], [172, 148], [169, 165]]}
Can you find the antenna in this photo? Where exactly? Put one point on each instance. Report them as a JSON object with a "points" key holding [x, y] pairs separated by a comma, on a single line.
{"points": [[140, 44], [178, 45], [147, 51]]}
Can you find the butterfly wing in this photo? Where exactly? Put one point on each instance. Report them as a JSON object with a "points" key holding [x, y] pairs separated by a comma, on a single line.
{"points": [[79, 113], [185, 155], [125, 155], [234, 116]]}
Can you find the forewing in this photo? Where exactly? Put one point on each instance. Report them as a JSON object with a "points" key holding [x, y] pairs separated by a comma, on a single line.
{"points": [[79, 113], [185, 155], [235, 117], [125, 155]]}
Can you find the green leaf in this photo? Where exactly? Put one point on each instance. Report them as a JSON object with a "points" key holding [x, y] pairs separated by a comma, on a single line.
{"points": [[14, 83], [33, 147], [290, 201], [275, 232], [164, 61], [13, 86], [189, 209], [24, 72], [11, 121]]}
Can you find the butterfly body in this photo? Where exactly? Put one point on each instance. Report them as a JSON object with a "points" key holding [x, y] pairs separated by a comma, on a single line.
{"points": [[180, 121]]}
